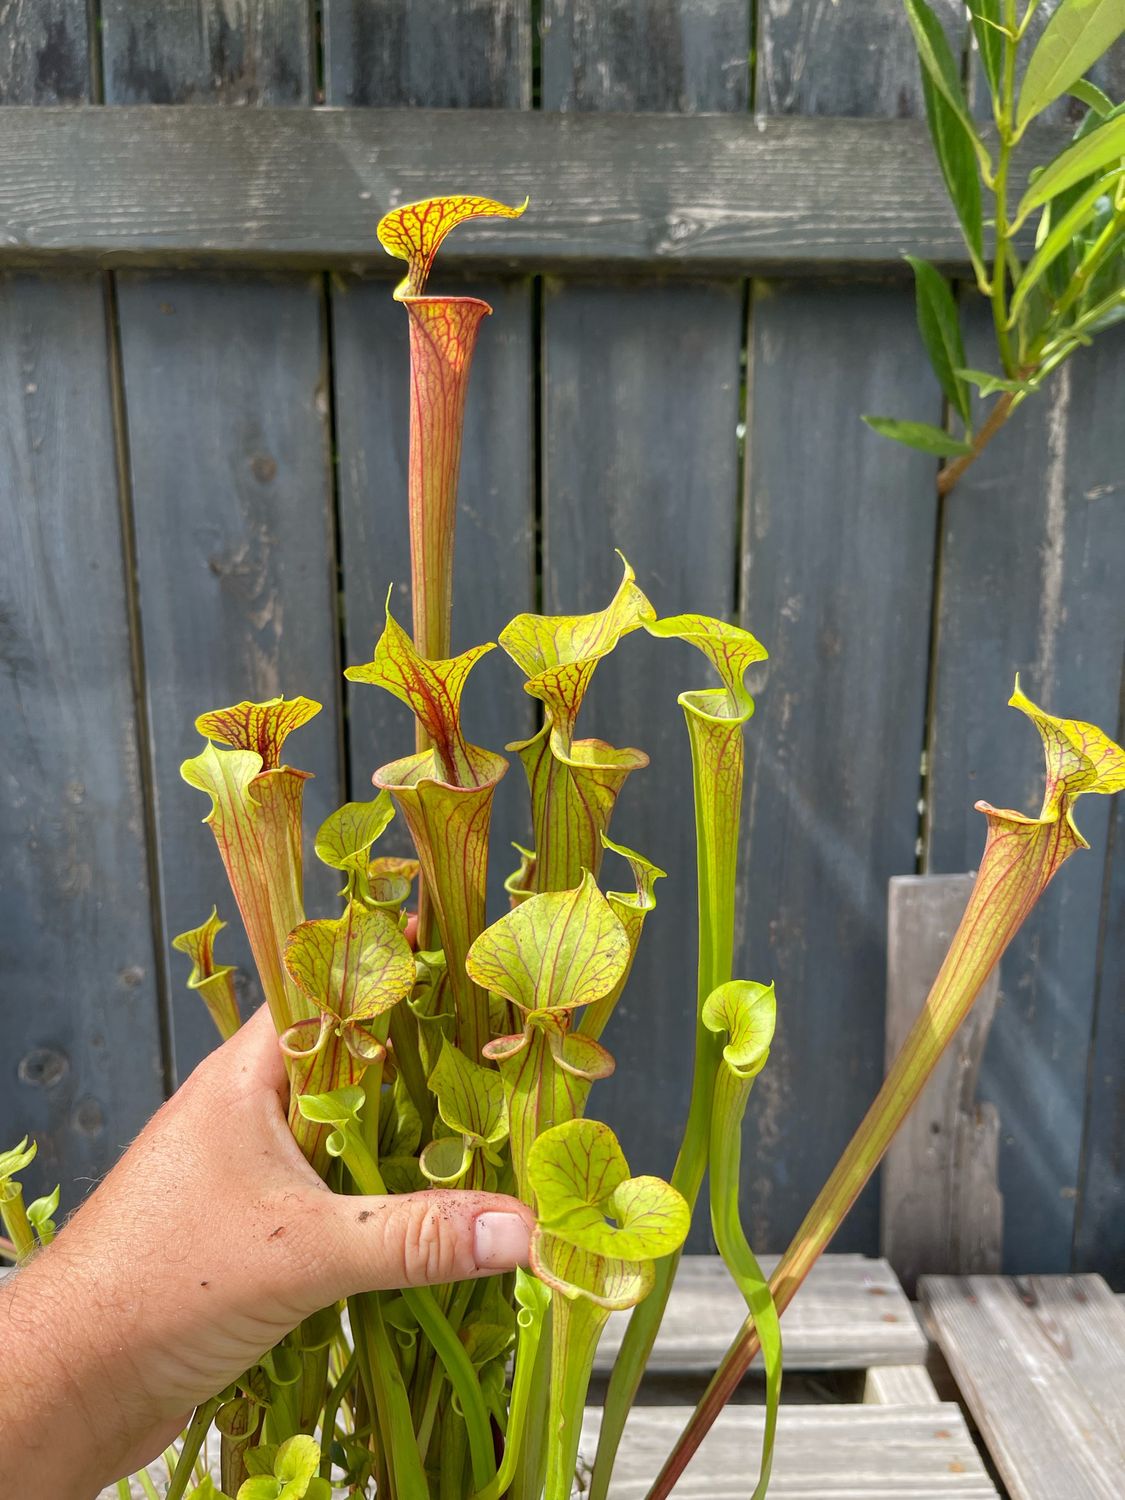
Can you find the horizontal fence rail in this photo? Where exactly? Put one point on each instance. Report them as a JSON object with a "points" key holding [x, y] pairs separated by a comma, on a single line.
{"points": [[714, 194]]}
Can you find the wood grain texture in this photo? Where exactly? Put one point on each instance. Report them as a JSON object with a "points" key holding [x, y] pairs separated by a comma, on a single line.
{"points": [[899, 1385], [1035, 524], [226, 401], [480, 56], [646, 54], [941, 1211], [44, 52], [838, 551], [442, 54], [641, 401], [907, 1452], [850, 1313], [715, 194], [206, 51], [82, 1066], [1099, 1229], [1041, 1364]]}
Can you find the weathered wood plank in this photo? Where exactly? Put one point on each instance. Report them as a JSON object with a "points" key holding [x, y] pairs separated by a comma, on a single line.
{"points": [[908, 1453], [899, 1385], [82, 1065], [440, 54], [1099, 1230], [1034, 524], [641, 403], [646, 54], [207, 51], [226, 405], [941, 1210], [1041, 1365], [850, 1313], [44, 52], [483, 59], [716, 194]]}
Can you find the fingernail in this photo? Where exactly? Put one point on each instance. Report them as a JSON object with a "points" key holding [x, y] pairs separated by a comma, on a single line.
{"points": [[500, 1241]]}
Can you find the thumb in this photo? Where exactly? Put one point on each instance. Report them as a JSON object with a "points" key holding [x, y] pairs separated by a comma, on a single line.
{"points": [[419, 1239]]}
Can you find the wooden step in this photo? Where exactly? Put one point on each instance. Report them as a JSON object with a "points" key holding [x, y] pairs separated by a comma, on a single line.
{"points": [[1040, 1362], [851, 1313], [822, 1453]]}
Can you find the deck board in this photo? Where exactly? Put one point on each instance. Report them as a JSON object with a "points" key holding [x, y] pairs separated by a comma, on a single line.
{"points": [[1040, 1362]]}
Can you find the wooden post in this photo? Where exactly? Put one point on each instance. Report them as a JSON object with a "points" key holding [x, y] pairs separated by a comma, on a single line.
{"points": [[941, 1208]]}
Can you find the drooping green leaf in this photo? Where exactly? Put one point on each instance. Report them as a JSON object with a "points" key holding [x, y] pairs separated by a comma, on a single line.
{"points": [[987, 19], [338, 1107], [745, 1012], [1061, 236], [632, 907], [213, 983], [1097, 151], [939, 65], [955, 149], [940, 328], [919, 435], [1092, 96], [556, 951], [586, 1197], [1075, 37]]}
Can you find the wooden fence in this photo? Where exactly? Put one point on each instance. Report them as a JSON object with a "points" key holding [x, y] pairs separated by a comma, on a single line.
{"points": [[202, 409]]}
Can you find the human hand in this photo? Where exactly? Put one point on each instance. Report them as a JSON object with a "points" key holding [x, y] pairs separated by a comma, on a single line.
{"points": [[209, 1241]]}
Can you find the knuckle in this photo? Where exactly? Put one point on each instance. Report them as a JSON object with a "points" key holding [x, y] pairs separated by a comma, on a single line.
{"points": [[431, 1247]]}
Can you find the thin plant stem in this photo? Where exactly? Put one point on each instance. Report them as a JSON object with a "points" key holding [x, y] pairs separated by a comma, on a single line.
{"points": [[1001, 411], [194, 1438], [147, 1485]]}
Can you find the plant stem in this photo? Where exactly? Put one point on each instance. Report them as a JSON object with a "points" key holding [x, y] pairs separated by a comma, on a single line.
{"points": [[1000, 189], [15, 1220], [392, 1404], [331, 1407], [1001, 411], [194, 1437], [533, 1314], [576, 1328]]}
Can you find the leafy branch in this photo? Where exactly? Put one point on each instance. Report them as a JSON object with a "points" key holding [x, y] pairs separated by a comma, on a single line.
{"points": [[1073, 285]]}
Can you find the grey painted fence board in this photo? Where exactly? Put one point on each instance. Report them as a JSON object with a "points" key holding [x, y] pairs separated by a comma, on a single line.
{"points": [[837, 581], [441, 54], [640, 406], [227, 407], [82, 1065], [207, 51], [720, 194], [1033, 525], [488, 61], [44, 52], [1099, 1234]]}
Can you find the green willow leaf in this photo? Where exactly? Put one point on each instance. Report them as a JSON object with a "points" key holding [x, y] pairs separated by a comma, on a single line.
{"points": [[940, 328], [987, 20], [989, 383], [574, 783], [1061, 236], [256, 820], [919, 435], [1075, 37], [954, 147], [939, 65], [214, 985], [1096, 151], [1092, 96]]}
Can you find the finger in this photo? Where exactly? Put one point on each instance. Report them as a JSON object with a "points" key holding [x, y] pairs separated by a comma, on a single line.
{"points": [[417, 1239]]}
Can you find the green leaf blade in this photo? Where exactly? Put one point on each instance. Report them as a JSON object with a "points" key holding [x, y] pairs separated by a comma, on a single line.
{"points": [[1095, 151], [919, 435], [940, 328], [1076, 36]]}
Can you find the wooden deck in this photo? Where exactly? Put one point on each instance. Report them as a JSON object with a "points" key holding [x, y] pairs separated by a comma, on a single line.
{"points": [[1040, 1362]]}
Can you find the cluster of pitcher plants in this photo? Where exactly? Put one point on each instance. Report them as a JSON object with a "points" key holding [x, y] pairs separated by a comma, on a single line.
{"points": [[426, 1045]]}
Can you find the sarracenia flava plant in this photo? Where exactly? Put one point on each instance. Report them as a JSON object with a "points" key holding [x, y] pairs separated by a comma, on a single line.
{"points": [[465, 1054]]}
